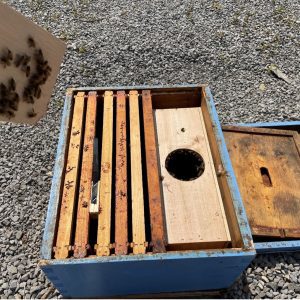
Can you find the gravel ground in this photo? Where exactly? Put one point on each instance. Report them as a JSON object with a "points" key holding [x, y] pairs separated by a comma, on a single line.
{"points": [[228, 44]]}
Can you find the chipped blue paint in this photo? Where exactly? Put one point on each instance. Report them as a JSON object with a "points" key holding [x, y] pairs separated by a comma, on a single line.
{"points": [[274, 247], [49, 230], [278, 246], [140, 274], [231, 179]]}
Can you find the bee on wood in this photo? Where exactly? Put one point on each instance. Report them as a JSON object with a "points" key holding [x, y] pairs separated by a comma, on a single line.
{"points": [[19, 60], [31, 42], [13, 105], [35, 79], [27, 95], [3, 90], [31, 113], [26, 70], [11, 84], [39, 57], [6, 58], [26, 60], [37, 92], [10, 114]]}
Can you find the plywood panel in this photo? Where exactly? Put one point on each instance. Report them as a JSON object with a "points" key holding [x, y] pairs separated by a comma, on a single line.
{"points": [[267, 166], [138, 218], [194, 211], [158, 238], [105, 187], [36, 56], [121, 213], [71, 180], [85, 187]]}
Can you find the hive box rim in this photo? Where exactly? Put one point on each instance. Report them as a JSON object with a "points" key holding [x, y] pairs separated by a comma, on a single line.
{"points": [[48, 236], [276, 246], [232, 261]]}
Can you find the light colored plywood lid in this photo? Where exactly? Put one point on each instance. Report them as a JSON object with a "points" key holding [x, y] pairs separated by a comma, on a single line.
{"points": [[193, 208], [20, 38]]}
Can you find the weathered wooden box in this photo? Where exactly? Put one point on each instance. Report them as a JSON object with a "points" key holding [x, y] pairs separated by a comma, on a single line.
{"points": [[139, 235], [266, 162]]}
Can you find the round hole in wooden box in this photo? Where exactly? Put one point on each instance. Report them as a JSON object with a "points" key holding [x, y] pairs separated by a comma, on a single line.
{"points": [[185, 164]]}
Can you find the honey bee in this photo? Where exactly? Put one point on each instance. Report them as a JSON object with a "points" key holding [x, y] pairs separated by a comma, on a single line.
{"points": [[11, 84], [10, 114], [26, 70], [19, 60], [26, 60], [39, 57], [3, 90], [31, 113], [31, 42], [27, 95], [37, 92], [13, 105], [6, 57]]}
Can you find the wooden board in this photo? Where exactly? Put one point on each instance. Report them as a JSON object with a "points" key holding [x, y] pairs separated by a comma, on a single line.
{"points": [[85, 187], [194, 210], [105, 186], [138, 217], [15, 30], [121, 213], [158, 238], [267, 167], [65, 225]]}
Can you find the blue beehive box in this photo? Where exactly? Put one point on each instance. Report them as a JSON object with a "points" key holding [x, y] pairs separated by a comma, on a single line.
{"points": [[172, 271]]}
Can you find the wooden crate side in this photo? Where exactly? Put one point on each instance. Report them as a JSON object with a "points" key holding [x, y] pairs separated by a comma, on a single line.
{"points": [[71, 181], [121, 213], [138, 217], [158, 231], [49, 235], [105, 187], [233, 205], [85, 188]]}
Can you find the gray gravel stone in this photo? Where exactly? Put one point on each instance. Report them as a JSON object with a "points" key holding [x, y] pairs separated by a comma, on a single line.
{"points": [[12, 270], [19, 235]]}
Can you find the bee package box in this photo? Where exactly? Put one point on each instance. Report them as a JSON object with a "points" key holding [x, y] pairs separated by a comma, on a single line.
{"points": [[266, 162], [144, 199]]}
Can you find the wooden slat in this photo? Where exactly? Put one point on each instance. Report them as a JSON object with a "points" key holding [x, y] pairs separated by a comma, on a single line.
{"points": [[138, 218], [223, 180], [105, 187], [155, 201], [85, 187], [194, 212], [71, 181], [121, 213], [271, 197]]}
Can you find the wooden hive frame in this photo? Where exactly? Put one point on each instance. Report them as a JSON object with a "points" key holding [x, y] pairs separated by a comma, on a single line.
{"points": [[154, 247]]}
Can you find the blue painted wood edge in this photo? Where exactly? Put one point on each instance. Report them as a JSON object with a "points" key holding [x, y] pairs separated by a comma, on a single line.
{"points": [[138, 87], [271, 124], [279, 246], [49, 230], [231, 179], [158, 256]]}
